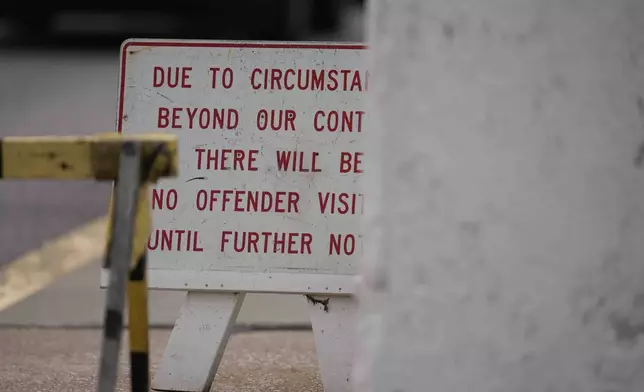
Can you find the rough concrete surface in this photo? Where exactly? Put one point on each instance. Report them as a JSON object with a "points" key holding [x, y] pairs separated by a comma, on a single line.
{"points": [[59, 360], [505, 220]]}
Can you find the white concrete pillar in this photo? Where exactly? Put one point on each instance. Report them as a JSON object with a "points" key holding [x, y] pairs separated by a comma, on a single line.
{"points": [[505, 222]]}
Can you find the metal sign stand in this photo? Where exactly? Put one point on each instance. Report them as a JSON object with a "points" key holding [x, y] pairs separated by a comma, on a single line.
{"points": [[119, 251], [130, 225]]}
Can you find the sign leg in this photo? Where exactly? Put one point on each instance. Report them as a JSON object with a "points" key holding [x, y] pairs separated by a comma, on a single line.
{"points": [[197, 342], [333, 320]]}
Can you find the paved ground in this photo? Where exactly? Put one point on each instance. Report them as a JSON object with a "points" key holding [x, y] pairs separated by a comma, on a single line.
{"points": [[57, 93], [66, 361]]}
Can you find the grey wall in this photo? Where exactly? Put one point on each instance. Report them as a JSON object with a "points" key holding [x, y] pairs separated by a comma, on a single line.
{"points": [[506, 215]]}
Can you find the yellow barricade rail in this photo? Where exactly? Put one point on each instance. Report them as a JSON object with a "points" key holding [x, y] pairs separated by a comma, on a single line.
{"points": [[132, 162], [81, 157]]}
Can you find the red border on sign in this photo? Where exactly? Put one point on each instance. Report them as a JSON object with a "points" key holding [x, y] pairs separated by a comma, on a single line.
{"points": [[179, 44]]}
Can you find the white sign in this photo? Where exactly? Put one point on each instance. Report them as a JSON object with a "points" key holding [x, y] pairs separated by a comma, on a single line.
{"points": [[269, 193]]}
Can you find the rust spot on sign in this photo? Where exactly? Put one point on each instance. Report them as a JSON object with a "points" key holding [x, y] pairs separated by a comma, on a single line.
{"points": [[315, 301]]}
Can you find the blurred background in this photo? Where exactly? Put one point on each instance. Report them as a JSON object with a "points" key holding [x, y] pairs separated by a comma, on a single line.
{"points": [[202, 19], [58, 76]]}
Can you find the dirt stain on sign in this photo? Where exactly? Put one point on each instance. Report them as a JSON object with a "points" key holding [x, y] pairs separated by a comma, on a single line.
{"points": [[315, 301]]}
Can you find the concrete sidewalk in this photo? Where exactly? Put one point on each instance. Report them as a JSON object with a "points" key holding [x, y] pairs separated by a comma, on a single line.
{"points": [[58, 360], [76, 300]]}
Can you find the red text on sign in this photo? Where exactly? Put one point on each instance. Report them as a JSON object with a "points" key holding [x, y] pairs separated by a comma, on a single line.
{"points": [[176, 240], [226, 159], [247, 201], [276, 120], [266, 242], [344, 244], [351, 162], [225, 78], [338, 121], [309, 79], [164, 199], [297, 161], [340, 203], [172, 77], [197, 118]]}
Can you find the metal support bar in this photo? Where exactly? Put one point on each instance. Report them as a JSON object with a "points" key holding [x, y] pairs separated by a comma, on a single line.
{"points": [[119, 251], [137, 289]]}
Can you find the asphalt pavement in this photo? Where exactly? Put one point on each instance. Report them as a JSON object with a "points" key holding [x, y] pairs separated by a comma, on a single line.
{"points": [[67, 361], [53, 92]]}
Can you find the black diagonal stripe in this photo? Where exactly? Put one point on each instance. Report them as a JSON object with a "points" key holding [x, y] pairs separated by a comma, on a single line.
{"points": [[108, 253], [148, 163], [139, 371], [1, 160], [138, 273], [113, 324], [107, 262]]}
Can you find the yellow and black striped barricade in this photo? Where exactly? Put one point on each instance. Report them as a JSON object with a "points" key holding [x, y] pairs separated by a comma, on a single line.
{"points": [[132, 162]]}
